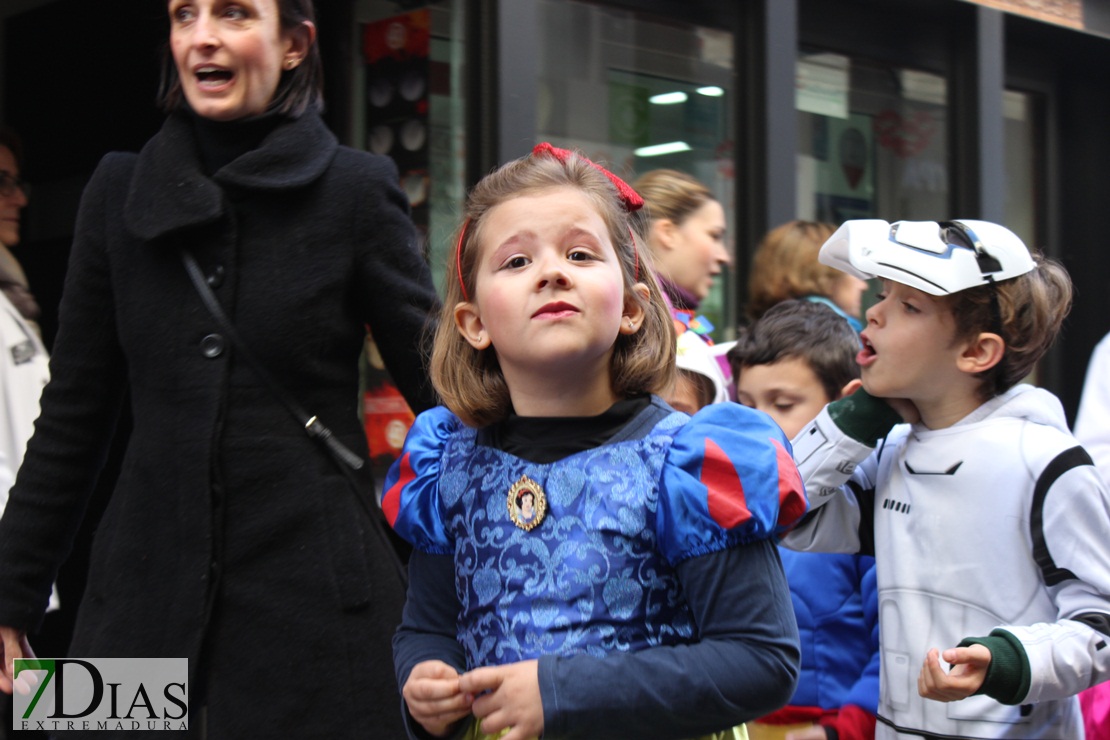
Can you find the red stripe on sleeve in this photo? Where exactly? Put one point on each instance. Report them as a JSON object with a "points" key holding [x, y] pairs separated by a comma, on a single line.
{"points": [[391, 501], [727, 503], [792, 497]]}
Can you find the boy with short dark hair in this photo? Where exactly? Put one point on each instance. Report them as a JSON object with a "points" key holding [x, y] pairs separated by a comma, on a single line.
{"points": [[987, 519], [808, 353], [796, 358]]}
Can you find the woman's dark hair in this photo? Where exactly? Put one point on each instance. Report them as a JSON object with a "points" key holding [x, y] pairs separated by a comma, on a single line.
{"points": [[10, 139], [300, 88]]}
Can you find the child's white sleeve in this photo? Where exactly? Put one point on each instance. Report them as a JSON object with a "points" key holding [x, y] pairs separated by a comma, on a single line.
{"points": [[839, 474], [1073, 653], [1092, 422]]}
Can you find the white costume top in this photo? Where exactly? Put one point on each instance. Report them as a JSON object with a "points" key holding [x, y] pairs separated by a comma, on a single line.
{"points": [[24, 370], [1092, 423], [999, 521]]}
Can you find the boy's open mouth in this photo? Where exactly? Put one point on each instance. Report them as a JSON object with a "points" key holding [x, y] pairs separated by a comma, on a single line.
{"points": [[866, 355]]}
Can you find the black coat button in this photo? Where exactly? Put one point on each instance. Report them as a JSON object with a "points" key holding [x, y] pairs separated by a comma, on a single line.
{"points": [[212, 346], [216, 278]]}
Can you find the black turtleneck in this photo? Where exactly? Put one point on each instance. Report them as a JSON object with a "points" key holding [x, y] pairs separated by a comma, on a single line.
{"points": [[545, 439], [222, 142]]}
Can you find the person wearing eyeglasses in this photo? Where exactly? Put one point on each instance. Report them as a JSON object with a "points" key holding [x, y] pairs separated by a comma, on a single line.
{"points": [[23, 358], [24, 361], [13, 199]]}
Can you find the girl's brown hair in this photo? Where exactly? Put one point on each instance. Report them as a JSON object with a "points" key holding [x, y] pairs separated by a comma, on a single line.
{"points": [[785, 266], [469, 381], [1032, 308]]}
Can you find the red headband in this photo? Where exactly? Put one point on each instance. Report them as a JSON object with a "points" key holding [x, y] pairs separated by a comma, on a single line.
{"points": [[629, 197]]}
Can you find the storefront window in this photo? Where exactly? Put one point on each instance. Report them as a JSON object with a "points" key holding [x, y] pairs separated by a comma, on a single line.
{"points": [[1022, 113], [873, 144], [637, 93], [872, 141], [410, 104]]}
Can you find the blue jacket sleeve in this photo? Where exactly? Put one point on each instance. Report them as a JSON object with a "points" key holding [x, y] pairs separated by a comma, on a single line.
{"points": [[744, 665]]}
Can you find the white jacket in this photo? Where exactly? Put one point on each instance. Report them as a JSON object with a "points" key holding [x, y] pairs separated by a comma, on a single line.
{"points": [[24, 371], [996, 522], [1092, 423]]}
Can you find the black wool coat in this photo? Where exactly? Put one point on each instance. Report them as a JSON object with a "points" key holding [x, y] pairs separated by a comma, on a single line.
{"points": [[230, 538]]}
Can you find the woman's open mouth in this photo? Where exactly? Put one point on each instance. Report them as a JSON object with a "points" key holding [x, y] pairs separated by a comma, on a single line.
{"points": [[211, 77]]}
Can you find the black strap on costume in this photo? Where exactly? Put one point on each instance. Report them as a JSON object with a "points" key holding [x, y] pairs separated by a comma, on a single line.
{"points": [[313, 427]]}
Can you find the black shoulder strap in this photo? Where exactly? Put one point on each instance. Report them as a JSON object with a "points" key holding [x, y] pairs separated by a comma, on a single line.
{"points": [[345, 460], [313, 427]]}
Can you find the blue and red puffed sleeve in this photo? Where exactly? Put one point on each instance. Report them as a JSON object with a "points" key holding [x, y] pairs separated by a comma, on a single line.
{"points": [[411, 500], [729, 479]]}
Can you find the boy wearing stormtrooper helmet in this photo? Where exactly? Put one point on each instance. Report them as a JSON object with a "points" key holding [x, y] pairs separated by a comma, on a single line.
{"points": [[986, 518]]}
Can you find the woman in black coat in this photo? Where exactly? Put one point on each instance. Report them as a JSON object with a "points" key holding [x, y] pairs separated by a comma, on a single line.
{"points": [[231, 537]]}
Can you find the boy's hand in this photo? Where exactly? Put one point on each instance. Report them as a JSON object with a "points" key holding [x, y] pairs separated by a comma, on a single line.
{"points": [[969, 669], [507, 696], [433, 697]]}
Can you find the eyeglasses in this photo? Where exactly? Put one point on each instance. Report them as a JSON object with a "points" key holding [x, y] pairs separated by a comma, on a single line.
{"points": [[9, 183]]}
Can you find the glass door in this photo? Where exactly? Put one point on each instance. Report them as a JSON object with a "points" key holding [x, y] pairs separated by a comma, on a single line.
{"points": [[638, 92]]}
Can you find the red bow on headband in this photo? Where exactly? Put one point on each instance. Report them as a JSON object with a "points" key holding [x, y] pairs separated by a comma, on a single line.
{"points": [[631, 199]]}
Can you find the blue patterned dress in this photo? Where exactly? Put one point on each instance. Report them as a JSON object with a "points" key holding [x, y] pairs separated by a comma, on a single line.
{"points": [[598, 574]]}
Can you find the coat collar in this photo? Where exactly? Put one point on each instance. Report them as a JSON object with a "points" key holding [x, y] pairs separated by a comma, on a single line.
{"points": [[169, 191]]}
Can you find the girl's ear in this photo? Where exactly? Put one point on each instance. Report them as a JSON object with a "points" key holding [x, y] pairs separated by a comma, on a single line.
{"points": [[664, 232], [633, 317], [469, 323], [981, 353]]}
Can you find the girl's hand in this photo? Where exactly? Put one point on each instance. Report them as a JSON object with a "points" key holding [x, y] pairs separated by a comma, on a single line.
{"points": [[969, 669], [507, 696], [817, 732], [13, 644], [433, 697]]}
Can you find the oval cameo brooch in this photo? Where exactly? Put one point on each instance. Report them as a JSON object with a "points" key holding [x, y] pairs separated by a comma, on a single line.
{"points": [[527, 503]]}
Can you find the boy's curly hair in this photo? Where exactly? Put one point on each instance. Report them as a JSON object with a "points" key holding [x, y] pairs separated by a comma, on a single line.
{"points": [[1032, 308]]}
